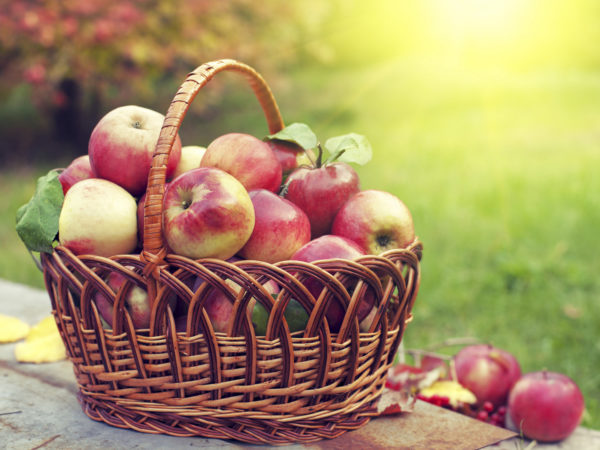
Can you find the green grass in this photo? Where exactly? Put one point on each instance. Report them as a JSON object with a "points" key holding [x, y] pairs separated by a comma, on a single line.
{"points": [[500, 172]]}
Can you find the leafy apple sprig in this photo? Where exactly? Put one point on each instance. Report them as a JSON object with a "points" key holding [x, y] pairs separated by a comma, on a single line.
{"points": [[37, 220], [348, 148]]}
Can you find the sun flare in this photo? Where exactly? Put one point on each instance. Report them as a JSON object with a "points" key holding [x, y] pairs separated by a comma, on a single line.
{"points": [[478, 19]]}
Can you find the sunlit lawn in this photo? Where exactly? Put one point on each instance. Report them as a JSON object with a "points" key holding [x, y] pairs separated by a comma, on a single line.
{"points": [[501, 174]]}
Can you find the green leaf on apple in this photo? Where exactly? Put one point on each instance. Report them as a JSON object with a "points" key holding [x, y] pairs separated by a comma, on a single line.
{"points": [[298, 133], [349, 148], [37, 220]]}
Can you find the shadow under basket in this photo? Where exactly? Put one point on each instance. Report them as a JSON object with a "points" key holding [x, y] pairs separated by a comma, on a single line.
{"points": [[179, 377]]}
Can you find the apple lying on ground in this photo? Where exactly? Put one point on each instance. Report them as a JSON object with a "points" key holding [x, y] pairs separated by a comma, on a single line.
{"points": [[327, 247], [487, 371], [122, 144], [191, 156], [79, 169], [247, 158], [320, 192], [280, 228], [98, 217], [546, 406], [207, 213], [137, 302], [376, 220]]}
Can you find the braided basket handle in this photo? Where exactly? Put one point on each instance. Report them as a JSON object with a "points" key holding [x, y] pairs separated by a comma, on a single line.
{"points": [[154, 246]]}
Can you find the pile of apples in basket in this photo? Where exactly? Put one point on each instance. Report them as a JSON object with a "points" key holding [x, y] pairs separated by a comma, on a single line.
{"points": [[241, 197]]}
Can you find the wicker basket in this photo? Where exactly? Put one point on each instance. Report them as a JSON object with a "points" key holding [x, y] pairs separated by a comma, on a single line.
{"points": [[276, 389]]}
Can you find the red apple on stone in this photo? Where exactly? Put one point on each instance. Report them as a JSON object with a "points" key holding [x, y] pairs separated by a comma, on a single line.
{"points": [[247, 158], [290, 155], [320, 192], [79, 169], [487, 371], [546, 406], [122, 144], [327, 247], [207, 213], [376, 220], [137, 302], [280, 228]]}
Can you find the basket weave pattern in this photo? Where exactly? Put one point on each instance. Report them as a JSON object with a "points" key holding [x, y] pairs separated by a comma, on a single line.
{"points": [[277, 389]]}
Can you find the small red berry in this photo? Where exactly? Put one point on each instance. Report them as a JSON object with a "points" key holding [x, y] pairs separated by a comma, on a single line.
{"points": [[482, 415], [488, 406]]}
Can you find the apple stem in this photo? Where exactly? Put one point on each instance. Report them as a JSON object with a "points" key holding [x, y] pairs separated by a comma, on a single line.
{"points": [[319, 162], [335, 156]]}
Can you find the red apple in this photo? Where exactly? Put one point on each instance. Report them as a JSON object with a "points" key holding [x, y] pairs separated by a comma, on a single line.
{"points": [[247, 158], [137, 302], [487, 371], [79, 169], [122, 144], [98, 217], [327, 247], [207, 213], [289, 155], [376, 220], [320, 192], [546, 406], [280, 228]]}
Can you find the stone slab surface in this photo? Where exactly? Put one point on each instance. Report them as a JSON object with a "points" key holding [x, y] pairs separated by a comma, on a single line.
{"points": [[39, 409]]}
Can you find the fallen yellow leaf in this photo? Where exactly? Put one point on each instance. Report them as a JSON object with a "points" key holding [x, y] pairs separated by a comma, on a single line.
{"points": [[42, 345], [12, 329], [45, 327], [452, 390]]}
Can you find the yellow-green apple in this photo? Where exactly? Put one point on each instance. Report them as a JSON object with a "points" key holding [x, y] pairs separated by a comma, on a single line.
{"points": [[320, 192], [327, 247], [365, 324], [207, 213], [247, 158], [137, 302], [191, 155], [218, 305], [295, 315], [487, 371], [376, 220], [545, 406], [122, 144], [79, 169], [280, 228], [98, 217], [290, 155]]}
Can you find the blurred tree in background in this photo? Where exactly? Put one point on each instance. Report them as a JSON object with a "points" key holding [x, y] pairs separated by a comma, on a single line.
{"points": [[63, 63]]}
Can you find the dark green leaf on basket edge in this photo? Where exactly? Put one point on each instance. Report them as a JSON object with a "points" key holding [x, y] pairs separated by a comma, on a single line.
{"points": [[349, 148], [298, 133], [37, 220]]}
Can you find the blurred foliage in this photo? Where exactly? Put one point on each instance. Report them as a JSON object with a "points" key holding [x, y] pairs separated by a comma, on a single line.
{"points": [[63, 64], [73, 60]]}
